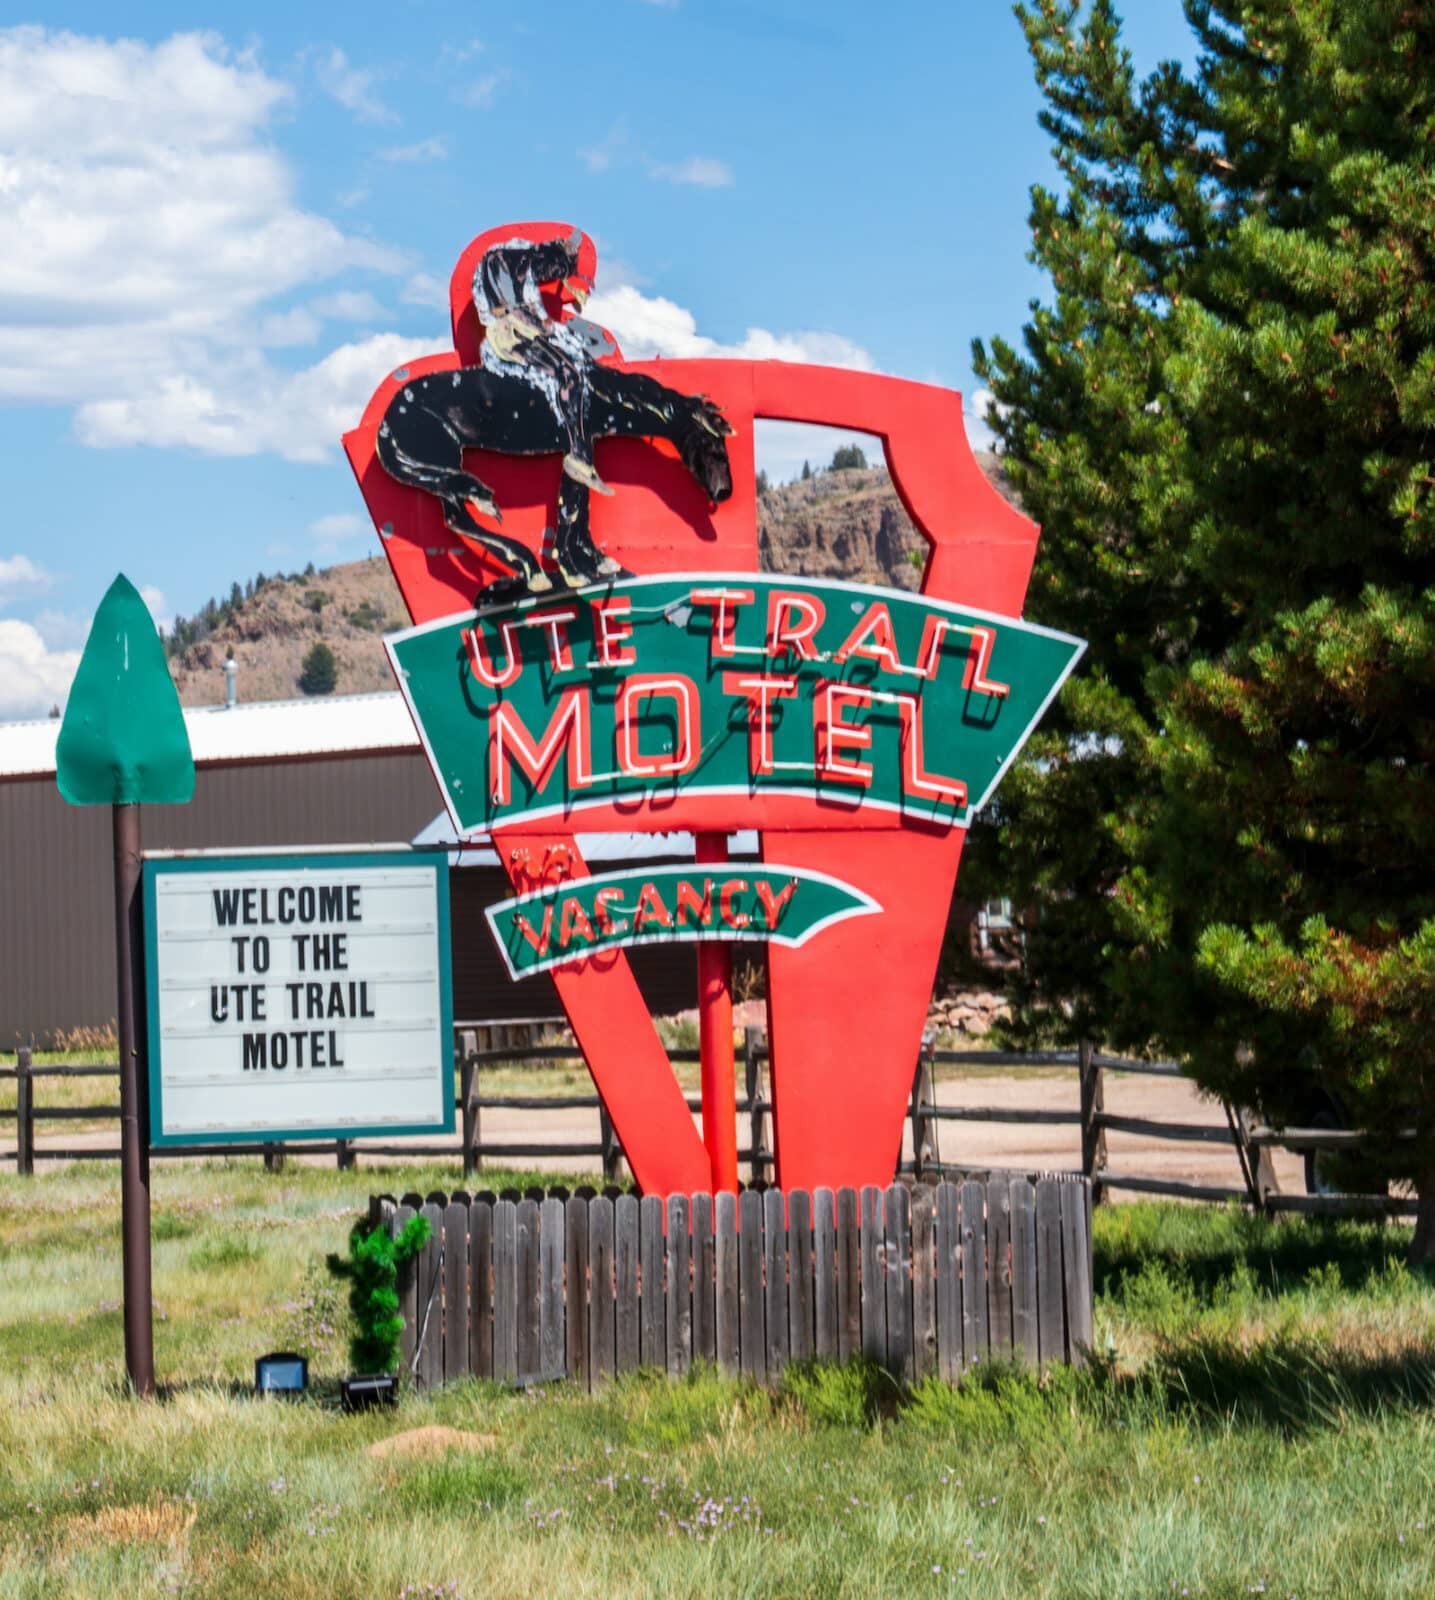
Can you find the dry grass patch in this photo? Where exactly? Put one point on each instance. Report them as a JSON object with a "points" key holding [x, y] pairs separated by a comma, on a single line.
{"points": [[433, 1440]]}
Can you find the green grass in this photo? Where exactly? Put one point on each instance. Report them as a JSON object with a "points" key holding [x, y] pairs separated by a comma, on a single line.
{"points": [[1260, 1415]]}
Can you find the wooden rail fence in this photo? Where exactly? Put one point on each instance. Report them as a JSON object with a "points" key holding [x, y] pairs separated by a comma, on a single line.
{"points": [[753, 1105], [1249, 1142], [923, 1281]]}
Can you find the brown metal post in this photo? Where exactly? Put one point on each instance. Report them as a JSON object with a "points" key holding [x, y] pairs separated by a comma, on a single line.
{"points": [[923, 1094], [1093, 1104], [134, 1109], [468, 1101], [719, 1094], [757, 1117], [612, 1149], [24, 1114]]}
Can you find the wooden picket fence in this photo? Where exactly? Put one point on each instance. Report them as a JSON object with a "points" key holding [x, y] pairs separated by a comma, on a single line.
{"points": [[923, 1281]]}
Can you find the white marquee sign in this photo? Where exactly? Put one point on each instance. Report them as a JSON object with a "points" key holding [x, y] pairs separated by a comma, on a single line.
{"points": [[298, 997]]}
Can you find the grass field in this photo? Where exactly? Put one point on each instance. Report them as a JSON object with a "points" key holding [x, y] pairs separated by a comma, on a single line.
{"points": [[1259, 1421]]}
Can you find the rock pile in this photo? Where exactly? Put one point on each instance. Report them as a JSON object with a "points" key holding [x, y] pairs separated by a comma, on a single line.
{"points": [[970, 1011]]}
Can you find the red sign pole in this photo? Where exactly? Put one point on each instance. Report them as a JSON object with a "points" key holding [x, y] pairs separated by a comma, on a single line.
{"points": [[715, 1040]]}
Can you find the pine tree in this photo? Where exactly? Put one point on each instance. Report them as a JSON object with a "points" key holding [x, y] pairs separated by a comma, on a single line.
{"points": [[846, 456], [1224, 421], [806, 471], [319, 671]]}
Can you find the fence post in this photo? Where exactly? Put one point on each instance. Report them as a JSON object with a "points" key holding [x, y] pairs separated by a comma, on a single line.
{"points": [[344, 1155], [468, 1100], [923, 1094], [24, 1114], [757, 1117], [1093, 1104], [1256, 1165], [612, 1148]]}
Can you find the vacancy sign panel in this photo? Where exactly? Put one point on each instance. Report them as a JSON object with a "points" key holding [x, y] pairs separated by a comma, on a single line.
{"points": [[298, 997]]}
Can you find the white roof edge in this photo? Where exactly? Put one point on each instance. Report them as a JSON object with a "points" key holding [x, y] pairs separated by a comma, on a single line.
{"points": [[250, 731]]}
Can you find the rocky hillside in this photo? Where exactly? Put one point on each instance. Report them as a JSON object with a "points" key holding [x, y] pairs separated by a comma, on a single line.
{"points": [[348, 607], [843, 524]]}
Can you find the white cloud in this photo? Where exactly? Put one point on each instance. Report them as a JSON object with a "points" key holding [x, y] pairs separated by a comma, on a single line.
{"points": [[279, 329], [433, 149], [978, 410], [33, 677], [63, 629], [703, 171], [613, 146], [339, 528], [351, 87], [423, 289], [348, 305], [248, 408], [780, 448], [149, 242], [19, 573], [649, 325], [159, 607], [481, 92]]}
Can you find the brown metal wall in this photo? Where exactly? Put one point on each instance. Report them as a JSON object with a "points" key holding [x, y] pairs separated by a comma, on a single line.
{"points": [[57, 944], [57, 947]]}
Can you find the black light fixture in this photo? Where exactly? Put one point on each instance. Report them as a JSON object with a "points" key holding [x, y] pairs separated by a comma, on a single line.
{"points": [[281, 1372], [364, 1392]]}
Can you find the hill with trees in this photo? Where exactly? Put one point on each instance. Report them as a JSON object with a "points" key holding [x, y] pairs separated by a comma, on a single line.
{"points": [[844, 522]]}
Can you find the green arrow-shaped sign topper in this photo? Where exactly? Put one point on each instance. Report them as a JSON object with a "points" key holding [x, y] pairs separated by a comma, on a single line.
{"points": [[123, 740]]}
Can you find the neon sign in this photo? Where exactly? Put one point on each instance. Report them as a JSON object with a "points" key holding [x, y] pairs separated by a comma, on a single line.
{"points": [[596, 647]]}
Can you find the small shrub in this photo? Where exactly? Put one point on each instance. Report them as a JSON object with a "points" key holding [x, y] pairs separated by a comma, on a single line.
{"points": [[671, 1415], [367, 615], [853, 1395], [679, 1033], [317, 599], [372, 1272], [221, 1253], [994, 1401]]}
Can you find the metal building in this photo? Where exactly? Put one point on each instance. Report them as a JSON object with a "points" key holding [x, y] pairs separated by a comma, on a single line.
{"points": [[338, 770]]}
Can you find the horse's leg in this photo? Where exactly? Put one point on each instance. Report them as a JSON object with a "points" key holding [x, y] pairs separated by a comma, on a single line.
{"points": [[632, 404], [418, 446], [579, 559]]}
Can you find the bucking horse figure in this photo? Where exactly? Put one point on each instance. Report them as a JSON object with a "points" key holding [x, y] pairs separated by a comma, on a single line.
{"points": [[540, 388]]}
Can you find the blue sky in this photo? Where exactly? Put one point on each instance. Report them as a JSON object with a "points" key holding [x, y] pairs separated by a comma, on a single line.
{"points": [[216, 237]]}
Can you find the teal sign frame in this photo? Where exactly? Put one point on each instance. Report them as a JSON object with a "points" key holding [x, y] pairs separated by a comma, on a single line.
{"points": [[739, 903], [327, 863], [878, 702]]}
